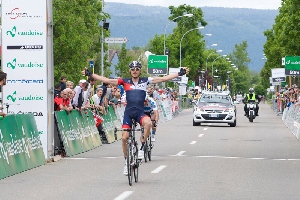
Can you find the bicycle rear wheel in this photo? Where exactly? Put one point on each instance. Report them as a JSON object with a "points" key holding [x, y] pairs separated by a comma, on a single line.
{"points": [[149, 148], [129, 163], [146, 151]]}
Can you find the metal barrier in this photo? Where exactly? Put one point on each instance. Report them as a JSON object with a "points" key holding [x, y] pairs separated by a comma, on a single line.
{"points": [[291, 118]]}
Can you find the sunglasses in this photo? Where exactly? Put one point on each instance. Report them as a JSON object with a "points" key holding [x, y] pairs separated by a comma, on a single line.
{"points": [[135, 69]]}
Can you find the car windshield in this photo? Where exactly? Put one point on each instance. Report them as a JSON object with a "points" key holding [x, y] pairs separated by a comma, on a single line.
{"points": [[215, 98]]}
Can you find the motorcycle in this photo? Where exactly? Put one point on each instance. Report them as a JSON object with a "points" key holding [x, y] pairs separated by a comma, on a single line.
{"points": [[251, 107]]}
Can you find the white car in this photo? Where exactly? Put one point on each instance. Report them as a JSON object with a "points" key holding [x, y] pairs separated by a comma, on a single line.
{"points": [[214, 107]]}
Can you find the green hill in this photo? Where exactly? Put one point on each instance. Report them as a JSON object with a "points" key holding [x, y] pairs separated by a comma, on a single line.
{"points": [[229, 26]]}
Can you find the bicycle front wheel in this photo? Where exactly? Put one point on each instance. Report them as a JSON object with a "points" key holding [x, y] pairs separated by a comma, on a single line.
{"points": [[136, 165], [129, 164], [149, 148]]}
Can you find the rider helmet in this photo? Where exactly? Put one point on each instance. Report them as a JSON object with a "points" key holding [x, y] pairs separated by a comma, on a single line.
{"points": [[251, 90], [135, 64]]}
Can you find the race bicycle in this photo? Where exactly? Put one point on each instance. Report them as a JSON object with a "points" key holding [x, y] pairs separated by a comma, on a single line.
{"points": [[132, 160]]}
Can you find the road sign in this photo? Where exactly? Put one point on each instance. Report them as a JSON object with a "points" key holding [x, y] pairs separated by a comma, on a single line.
{"points": [[174, 71], [115, 40], [157, 64], [278, 75], [292, 65], [91, 64]]}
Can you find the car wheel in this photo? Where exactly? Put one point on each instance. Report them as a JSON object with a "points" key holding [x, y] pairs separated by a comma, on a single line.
{"points": [[233, 124], [196, 123]]}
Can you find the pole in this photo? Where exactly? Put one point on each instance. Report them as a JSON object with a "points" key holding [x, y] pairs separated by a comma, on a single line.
{"points": [[186, 15], [50, 81], [102, 44], [183, 37]]}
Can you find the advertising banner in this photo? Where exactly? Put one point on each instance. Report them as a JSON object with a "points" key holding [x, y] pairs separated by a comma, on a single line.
{"points": [[24, 59], [278, 75]]}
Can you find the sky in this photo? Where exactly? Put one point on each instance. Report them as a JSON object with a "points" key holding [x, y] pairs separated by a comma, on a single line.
{"points": [[255, 4]]}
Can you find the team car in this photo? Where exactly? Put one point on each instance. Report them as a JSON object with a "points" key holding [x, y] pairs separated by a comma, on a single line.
{"points": [[214, 107]]}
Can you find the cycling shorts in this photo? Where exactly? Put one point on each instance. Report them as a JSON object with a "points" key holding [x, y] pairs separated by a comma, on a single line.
{"points": [[149, 113], [133, 113]]}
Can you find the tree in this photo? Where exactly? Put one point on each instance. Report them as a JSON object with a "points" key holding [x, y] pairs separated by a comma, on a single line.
{"points": [[242, 76], [124, 60], [76, 35], [192, 43]]}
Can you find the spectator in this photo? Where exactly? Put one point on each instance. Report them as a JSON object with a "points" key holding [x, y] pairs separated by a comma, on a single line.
{"points": [[121, 89], [156, 93], [64, 102], [70, 84], [3, 77], [63, 81], [96, 102], [78, 98], [114, 101], [57, 90]]}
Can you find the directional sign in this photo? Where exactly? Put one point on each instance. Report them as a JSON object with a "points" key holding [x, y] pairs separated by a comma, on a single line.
{"points": [[91, 64], [278, 75], [292, 65], [279, 79], [115, 40], [157, 64], [174, 71]]}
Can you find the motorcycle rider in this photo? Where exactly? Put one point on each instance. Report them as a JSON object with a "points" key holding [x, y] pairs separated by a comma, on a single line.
{"points": [[251, 96]]}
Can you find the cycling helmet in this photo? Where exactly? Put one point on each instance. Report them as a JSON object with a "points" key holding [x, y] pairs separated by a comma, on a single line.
{"points": [[135, 64], [251, 90]]}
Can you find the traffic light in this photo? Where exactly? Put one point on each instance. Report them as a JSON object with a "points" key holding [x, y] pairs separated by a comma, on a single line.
{"points": [[105, 25]]}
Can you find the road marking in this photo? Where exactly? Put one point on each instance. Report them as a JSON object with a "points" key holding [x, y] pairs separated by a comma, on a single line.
{"points": [[157, 170], [110, 157], [205, 129], [180, 153], [77, 158], [256, 158], [201, 135], [232, 157], [124, 195], [193, 142]]}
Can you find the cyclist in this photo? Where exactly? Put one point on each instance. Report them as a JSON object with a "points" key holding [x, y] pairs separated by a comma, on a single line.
{"points": [[150, 109], [251, 96], [135, 88]]}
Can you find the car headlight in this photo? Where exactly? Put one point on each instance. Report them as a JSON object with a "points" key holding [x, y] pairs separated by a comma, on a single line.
{"points": [[199, 109], [230, 110]]}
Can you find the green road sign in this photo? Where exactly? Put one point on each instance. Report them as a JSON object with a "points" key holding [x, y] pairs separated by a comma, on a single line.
{"points": [[157, 64], [292, 65]]}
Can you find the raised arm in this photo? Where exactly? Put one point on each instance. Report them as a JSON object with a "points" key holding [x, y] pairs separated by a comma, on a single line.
{"points": [[182, 72], [103, 79]]}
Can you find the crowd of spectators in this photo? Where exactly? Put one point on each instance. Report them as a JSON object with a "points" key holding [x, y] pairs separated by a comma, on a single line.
{"points": [[287, 97]]}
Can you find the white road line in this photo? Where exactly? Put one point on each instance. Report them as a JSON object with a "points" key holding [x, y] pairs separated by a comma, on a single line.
{"points": [[201, 135], [180, 153], [257, 158], [110, 157], [193, 142], [280, 159], [232, 157], [205, 129], [157, 170], [77, 158], [124, 195]]}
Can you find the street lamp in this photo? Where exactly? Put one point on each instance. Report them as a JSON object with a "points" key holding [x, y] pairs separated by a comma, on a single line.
{"points": [[218, 51], [201, 27], [212, 69], [186, 15]]}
